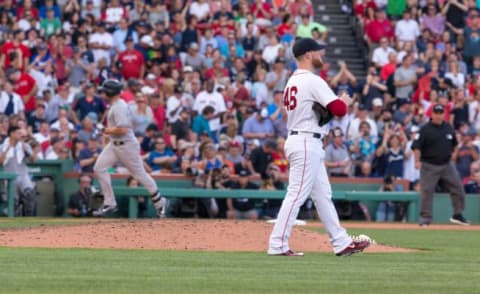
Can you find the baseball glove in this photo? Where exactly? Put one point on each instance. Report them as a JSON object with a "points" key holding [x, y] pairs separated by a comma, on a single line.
{"points": [[322, 113]]}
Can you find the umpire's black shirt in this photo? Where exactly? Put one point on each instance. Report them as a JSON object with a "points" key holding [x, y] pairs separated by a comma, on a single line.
{"points": [[436, 143]]}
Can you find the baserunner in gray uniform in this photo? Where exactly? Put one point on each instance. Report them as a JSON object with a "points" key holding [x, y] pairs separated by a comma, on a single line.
{"points": [[123, 147]]}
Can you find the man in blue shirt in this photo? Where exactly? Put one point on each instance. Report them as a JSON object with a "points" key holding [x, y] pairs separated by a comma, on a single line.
{"points": [[89, 154], [88, 103], [161, 157], [258, 126], [200, 124]]}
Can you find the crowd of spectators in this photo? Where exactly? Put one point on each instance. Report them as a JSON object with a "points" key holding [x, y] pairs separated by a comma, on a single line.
{"points": [[204, 81], [421, 53]]}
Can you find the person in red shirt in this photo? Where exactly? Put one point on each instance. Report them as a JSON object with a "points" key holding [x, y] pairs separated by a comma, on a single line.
{"points": [[217, 71], [279, 158], [448, 107], [296, 6], [61, 52], [389, 68], [241, 95], [133, 64], [286, 26], [379, 27], [15, 51], [261, 12], [25, 86], [26, 5], [223, 22], [361, 8], [157, 104], [133, 87]]}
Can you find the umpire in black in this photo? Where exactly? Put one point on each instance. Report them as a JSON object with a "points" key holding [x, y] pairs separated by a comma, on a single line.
{"points": [[433, 149]]}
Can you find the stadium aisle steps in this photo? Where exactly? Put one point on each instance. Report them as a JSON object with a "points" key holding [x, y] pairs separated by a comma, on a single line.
{"points": [[343, 44]]}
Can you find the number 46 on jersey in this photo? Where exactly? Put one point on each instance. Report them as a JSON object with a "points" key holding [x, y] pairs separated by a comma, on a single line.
{"points": [[289, 98]]}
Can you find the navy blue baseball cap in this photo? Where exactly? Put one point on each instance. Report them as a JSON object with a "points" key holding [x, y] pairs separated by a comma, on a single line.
{"points": [[304, 45]]}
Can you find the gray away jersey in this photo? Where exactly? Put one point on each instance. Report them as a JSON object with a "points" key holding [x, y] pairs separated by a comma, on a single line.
{"points": [[119, 115]]}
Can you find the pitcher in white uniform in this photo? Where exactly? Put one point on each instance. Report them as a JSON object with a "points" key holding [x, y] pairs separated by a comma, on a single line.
{"points": [[304, 150]]}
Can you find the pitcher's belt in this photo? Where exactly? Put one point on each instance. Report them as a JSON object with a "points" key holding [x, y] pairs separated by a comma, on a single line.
{"points": [[315, 135]]}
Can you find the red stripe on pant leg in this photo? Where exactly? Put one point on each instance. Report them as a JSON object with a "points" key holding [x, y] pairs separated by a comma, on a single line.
{"points": [[299, 190]]}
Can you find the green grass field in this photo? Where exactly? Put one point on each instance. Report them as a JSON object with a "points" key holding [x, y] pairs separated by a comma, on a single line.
{"points": [[447, 262]]}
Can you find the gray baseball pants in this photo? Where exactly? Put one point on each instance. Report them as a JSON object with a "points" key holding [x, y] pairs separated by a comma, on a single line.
{"points": [[430, 174], [129, 155]]}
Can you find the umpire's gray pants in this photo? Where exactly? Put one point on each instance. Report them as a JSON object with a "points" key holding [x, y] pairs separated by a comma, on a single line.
{"points": [[129, 155], [430, 174]]}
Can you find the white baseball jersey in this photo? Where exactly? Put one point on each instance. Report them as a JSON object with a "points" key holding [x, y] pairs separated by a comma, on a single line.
{"points": [[302, 90]]}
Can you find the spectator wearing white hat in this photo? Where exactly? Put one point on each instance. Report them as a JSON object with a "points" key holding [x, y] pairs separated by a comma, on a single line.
{"points": [[377, 107]]}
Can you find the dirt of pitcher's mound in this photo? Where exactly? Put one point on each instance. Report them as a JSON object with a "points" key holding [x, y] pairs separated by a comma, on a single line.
{"points": [[170, 234]]}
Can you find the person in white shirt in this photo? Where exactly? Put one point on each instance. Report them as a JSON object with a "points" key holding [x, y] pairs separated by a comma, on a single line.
{"points": [[200, 9], [259, 90], [411, 173], [453, 73], [56, 150], [362, 115], [43, 134], [270, 52], [11, 102], [176, 103], [380, 54], [407, 29], [214, 99], [101, 42], [114, 12]]}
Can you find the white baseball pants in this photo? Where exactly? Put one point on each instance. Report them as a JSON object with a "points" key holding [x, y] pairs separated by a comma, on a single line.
{"points": [[307, 177], [129, 155]]}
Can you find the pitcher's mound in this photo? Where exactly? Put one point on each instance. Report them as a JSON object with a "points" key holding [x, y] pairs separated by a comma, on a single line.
{"points": [[171, 234]]}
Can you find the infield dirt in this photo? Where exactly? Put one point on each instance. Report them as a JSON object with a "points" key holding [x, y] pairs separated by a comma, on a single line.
{"points": [[184, 234]]}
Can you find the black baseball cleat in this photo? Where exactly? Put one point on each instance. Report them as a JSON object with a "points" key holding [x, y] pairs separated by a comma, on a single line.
{"points": [[459, 220], [354, 247], [106, 209]]}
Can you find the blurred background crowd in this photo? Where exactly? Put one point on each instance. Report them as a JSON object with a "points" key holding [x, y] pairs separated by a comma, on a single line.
{"points": [[205, 78]]}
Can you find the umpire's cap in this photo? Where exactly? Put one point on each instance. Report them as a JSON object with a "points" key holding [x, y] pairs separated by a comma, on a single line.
{"points": [[304, 45], [111, 87]]}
